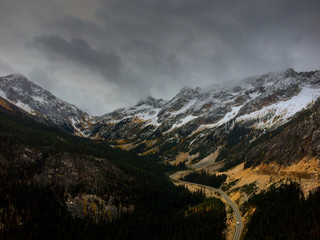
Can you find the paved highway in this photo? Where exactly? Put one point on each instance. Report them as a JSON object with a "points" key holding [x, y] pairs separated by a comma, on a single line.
{"points": [[238, 230]]}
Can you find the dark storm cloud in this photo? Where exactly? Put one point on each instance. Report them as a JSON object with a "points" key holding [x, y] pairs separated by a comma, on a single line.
{"points": [[81, 53], [152, 59], [73, 26], [220, 39], [141, 47]]}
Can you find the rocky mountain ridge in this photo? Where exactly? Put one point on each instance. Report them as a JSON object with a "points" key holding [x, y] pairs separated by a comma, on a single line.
{"points": [[214, 107], [40, 103], [197, 123]]}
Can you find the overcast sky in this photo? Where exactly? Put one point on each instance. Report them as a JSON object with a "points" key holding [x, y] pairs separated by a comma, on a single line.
{"points": [[105, 54]]}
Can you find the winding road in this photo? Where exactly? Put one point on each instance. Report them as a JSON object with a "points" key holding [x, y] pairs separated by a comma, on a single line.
{"points": [[238, 230]]}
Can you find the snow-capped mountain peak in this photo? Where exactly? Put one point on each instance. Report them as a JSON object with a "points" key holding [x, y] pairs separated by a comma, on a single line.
{"points": [[151, 101], [39, 102], [265, 101], [258, 103]]}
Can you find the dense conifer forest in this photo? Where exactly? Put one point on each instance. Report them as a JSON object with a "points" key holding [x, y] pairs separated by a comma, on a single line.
{"points": [[205, 178], [33, 211], [284, 213]]}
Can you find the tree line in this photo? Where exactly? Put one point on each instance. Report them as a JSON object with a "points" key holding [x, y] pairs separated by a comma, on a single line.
{"points": [[202, 177]]}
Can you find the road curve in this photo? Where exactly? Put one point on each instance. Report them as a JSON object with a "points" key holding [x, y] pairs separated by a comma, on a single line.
{"points": [[238, 230]]}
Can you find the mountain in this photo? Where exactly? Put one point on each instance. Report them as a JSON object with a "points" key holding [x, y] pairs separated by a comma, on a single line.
{"points": [[41, 104], [289, 143], [197, 121], [198, 126], [274, 95], [54, 185], [262, 133]]}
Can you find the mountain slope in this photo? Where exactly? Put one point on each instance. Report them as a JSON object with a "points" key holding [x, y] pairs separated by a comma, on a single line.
{"points": [[196, 125], [290, 143], [201, 121], [41, 104], [253, 98], [57, 186]]}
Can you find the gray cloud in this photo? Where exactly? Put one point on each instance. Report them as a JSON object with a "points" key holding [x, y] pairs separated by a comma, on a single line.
{"points": [[5, 68], [152, 59], [44, 78], [80, 53], [133, 48], [218, 40], [75, 27]]}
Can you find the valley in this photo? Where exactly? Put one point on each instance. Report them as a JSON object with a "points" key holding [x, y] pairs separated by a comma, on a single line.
{"points": [[241, 184], [255, 140]]}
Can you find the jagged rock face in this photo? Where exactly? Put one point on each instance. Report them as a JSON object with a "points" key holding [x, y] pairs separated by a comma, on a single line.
{"points": [[92, 207], [38, 102], [295, 141], [70, 172], [92, 189]]}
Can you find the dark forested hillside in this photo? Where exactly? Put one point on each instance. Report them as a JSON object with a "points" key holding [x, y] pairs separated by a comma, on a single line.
{"points": [[205, 178], [57, 186], [284, 213]]}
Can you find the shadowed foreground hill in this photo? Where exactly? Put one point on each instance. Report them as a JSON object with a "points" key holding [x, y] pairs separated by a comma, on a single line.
{"points": [[57, 186], [284, 213]]}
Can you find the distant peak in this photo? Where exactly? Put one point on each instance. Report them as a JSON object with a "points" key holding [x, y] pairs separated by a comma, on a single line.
{"points": [[186, 89], [151, 101], [214, 87], [150, 98], [146, 99], [285, 73], [289, 71]]}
